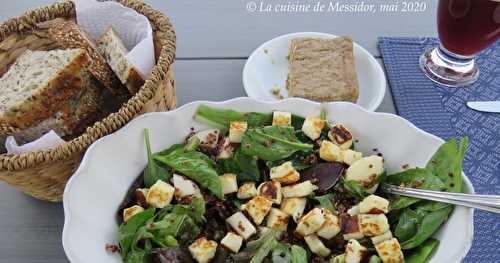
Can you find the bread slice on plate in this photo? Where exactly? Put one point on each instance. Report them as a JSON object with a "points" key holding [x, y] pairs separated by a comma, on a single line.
{"points": [[114, 50], [36, 85], [322, 69]]}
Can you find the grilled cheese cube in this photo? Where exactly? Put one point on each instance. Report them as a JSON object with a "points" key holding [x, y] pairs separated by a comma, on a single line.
{"points": [[294, 207], [257, 208], [236, 130], [311, 222], [350, 228], [131, 211], [312, 127], [381, 238], [160, 194], [270, 190], [241, 225], [247, 190], [203, 250], [232, 242], [349, 156], [331, 226], [354, 252], [373, 225], [390, 251], [340, 136], [277, 220], [365, 171], [330, 152], [299, 190], [228, 183], [285, 173], [373, 204], [184, 187], [282, 118], [225, 149], [140, 196], [316, 246], [353, 210], [208, 138]]}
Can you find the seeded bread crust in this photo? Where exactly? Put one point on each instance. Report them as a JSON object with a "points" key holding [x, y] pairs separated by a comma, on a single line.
{"points": [[74, 115], [114, 50], [68, 34], [43, 102]]}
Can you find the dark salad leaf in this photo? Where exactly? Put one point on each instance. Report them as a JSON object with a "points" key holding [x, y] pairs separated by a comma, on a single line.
{"points": [[422, 253], [127, 232], [324, 175], [272, 143], [245, 166], [325, 201], [299, 255], [153, 171], [196, 166], [220, 118]]}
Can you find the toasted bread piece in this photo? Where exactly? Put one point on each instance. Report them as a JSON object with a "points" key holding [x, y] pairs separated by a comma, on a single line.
{"points": [[114, 50], [322, 69]]}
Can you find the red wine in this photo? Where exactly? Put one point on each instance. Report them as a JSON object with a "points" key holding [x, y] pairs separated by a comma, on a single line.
{"points": [[466, 27]]}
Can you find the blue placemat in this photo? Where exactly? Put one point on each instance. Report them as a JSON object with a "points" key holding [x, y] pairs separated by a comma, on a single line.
{"points": [[442, 111]]}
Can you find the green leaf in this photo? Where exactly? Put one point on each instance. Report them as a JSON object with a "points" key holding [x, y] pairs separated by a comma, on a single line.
{"points": [[195, 210], [127, 231], [192, 144], [299, 255], [375, 259], [446, 164], [354, 189], [429, 225], [415, 178], [244, 166], [272, 143], [281, 253], [407, 225], [136, 256], [256, 250], [422, 253], [220, 118], [298, 159], [196, 166], [153, 171], [297, 122], [325, 201]]}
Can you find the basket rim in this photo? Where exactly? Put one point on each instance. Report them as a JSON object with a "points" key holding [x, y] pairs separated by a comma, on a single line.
{"points": [[114, 121]]}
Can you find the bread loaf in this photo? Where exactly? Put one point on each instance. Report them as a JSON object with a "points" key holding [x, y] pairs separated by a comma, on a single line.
{"points": [[114, 50], [36, 85]]}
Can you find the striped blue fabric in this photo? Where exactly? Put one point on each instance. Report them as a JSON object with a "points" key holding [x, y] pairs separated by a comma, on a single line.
{"points": [[442, 111]]}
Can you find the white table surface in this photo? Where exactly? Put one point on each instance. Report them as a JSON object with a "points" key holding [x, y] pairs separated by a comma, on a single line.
{"points": [[214, 38]]}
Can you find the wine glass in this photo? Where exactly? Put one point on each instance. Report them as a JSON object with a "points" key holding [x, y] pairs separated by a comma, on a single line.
{"points": [[465, 28]]}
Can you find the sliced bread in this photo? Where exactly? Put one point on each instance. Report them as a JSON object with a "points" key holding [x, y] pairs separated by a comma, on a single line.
{"points": [[74, 115], [115, 52], [37, 83], [68, 34], [322, 69]]}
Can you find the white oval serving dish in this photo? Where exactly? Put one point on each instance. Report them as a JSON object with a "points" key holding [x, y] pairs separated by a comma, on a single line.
{"points": [[111, 164]]}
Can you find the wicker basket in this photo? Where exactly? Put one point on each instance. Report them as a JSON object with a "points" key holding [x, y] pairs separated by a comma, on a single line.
{"points": [[44, 174]]}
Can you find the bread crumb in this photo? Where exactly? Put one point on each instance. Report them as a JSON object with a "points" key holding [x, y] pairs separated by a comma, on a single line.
{"points": [[275, 90]]}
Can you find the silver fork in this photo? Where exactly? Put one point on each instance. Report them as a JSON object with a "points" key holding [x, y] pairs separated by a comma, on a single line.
{"points": [[489, 203]]}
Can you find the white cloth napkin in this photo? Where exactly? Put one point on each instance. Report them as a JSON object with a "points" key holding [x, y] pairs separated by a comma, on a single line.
{"points": [[95, 18]]}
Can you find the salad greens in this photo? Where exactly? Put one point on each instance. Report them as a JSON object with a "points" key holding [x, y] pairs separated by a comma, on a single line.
{"points": [[201, 201], [272, 143]]}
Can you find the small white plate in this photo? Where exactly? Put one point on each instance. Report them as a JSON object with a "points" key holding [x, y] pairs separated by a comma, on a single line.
{"points": [[267, 68]]}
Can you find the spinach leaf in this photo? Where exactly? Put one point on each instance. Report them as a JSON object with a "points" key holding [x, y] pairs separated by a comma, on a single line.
{"points": [[298, 159], [407, 225], [272, 143], [299, 255], [127, 231], [153, 171], [430, 224], [174, 148], [281, 254], [297, 122], [195, 210], [374, 259], [220, 118], [196, 166], [446, 164], [244, 166], [422, 253], [416, 178], [325, 201], [354, 189], [192, 144], [256, 250], [136, 256]]}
